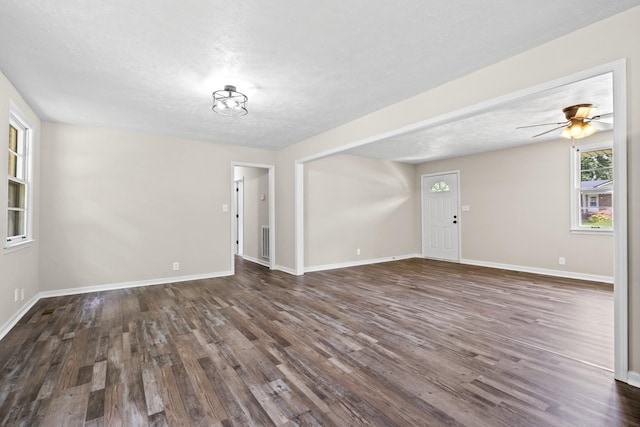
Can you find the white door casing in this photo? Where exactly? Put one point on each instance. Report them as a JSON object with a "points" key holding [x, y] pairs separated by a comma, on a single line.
{"points": [[441, 216], [239, 220]]}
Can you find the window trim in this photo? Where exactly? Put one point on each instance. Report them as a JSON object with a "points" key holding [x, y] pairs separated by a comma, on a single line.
{"points": [[25, 129], [576, 189]]}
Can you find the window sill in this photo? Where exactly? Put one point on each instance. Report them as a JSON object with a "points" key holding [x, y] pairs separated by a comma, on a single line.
{"points": [[18, 246], [605, 232]]}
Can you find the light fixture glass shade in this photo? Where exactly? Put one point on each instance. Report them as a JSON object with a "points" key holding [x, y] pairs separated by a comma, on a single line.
{"points": [[578, 129], [588, 129], [229, 102]]}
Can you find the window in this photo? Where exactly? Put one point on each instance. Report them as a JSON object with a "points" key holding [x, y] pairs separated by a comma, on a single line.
{"points": [[439, 187], [18, 182], [592, 190]]}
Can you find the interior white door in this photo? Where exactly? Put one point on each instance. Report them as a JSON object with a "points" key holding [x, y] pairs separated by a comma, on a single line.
{"points": [[440, 217]]}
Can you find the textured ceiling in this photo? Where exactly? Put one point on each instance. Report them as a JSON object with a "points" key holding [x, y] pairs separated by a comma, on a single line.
{"points": [[497, 128], [150, 66]]}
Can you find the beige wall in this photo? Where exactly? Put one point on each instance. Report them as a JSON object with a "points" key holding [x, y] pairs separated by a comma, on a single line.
{"points": [[520, 209], [121, 207], [256, 209], [353, 202], [18, 269], [609, 40]]}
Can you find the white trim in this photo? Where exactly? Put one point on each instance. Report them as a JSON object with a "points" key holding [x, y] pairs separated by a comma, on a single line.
{"points": [[13, 321], [299, 218], [359, 262], [256, 260], [19, 246], [621, 258], [458, 214], [633, 378], [543, 271], [136, 284], [237, 222], [272, 210], [286, 270]]}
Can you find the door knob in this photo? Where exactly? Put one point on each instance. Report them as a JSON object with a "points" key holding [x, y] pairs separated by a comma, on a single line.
{"points": [[455, 222]]}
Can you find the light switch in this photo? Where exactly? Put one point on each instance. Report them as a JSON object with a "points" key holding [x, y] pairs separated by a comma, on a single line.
{"points": [[466, 208], [225, 207]]}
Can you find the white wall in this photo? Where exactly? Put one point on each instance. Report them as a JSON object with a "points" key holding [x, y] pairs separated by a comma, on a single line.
{"points": [[121, 207], [356, 203], [608, 40], [18, 269], [256, 209], [520, 210]]}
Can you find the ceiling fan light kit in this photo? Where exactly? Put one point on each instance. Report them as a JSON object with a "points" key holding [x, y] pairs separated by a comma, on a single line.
{"points": [[230, 102], [578, 129]]}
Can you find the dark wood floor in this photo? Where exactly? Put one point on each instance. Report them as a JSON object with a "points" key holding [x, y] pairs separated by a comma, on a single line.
{"points": [[412, 342]]}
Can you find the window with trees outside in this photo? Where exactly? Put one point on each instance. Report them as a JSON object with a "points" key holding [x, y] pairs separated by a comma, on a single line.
{"points": [[593, 186], [18, 181]]}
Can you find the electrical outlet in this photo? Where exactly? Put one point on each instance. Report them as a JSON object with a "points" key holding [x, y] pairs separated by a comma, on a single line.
{"points": [[16, 294], [176, 266], [562, 261], [358, 251]]}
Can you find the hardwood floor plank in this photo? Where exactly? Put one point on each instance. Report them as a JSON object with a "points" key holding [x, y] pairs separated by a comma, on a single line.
{"points": [[68, 408], [173, 406], [95, 406], [213, 411]]}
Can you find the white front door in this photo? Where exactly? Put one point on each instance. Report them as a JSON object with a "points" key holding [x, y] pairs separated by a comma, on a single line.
{"points": [[440, 216]]}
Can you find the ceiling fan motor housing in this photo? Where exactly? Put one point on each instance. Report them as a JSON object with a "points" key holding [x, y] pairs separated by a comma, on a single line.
{"points": [[579, 111]]}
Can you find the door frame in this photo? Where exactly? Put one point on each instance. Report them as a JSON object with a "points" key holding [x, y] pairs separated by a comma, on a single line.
{"points": [[272, 211], [238, 209], [459, 215]]}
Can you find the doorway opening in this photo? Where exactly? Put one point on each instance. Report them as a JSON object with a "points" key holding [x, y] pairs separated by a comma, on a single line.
{"points": [[618, 72], [253, 214]]}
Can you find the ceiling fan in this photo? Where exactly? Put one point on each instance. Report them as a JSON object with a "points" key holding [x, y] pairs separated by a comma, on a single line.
{"points": [[577, 124]]}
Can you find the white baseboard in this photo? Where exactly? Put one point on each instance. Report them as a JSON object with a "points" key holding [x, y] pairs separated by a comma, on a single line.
{"points": [[633, 378], [256, 260], [4, 330], [359, 262], [544, 271], [285, 269], [124, 285]]}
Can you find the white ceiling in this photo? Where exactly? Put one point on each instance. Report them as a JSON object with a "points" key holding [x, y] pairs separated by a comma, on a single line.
{"points": [[307, 66]]}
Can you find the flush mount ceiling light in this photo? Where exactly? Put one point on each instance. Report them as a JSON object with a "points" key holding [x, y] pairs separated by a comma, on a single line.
{"points": [[229, 102]]}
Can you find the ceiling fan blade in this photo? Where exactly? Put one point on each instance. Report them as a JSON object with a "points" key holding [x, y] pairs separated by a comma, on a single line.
{"points": [[607, 118], [603, 125], [543, 124], [549, 131]]}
